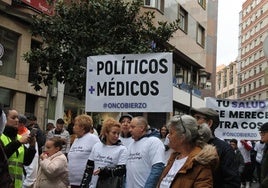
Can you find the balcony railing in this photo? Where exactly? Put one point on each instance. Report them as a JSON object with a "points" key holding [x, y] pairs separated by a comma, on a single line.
{"points": [[187, 88]]}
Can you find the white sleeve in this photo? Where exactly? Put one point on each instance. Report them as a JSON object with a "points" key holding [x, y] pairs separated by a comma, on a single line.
{"points": [[91, 155], [68, 143], [50, 134], [123, 156], [31, 171], [157, 151]]}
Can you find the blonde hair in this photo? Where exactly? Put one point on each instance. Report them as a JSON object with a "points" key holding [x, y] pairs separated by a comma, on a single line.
{"points": [[108, 124], [85, 121]]}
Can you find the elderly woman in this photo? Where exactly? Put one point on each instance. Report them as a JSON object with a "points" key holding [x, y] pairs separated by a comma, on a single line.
{"points": [[81, 148], [192, 163]]}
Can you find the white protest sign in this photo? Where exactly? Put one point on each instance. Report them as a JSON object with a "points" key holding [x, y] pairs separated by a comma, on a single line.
{"points": [[129, 83], [239, 119]]}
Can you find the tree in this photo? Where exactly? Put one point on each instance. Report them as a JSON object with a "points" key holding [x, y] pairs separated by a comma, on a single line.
{"points": [[91, 27]]}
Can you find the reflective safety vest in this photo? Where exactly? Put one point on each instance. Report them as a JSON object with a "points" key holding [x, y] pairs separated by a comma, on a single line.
{"points": [[15, 161]]}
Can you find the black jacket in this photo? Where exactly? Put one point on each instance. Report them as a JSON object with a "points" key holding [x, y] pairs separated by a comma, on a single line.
{"points": [[5, 178], [13, 146], [226, 175], [264, 169], [40, 138]]}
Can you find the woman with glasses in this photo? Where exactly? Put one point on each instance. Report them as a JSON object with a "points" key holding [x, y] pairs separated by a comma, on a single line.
{"points": [[193, 161]]}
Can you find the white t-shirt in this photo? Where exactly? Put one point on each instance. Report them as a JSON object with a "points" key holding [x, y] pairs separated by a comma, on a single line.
{"points": [[107, 155], [168, 152], [142, 155], [126, 141], [259, 147], [32, 169], [78, 157], [176, 166]]}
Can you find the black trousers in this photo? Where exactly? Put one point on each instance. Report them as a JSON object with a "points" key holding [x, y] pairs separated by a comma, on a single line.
{"points": [[247, 174]]}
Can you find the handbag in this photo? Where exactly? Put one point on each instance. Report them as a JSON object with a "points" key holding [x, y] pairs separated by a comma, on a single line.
{"points": [[111, 182]]}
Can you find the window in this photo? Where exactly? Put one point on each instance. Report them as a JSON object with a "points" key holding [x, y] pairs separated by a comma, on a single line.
{"points": [[225, 83], [33, 68], [200, 35], [231, 80], [5, 96], [202, 3], [9, 41], [183, 17], [231, 92], [260, 68], [147, 2], [239, 91], [162, 5], [159, 4], [260, 82], [219, 86]]}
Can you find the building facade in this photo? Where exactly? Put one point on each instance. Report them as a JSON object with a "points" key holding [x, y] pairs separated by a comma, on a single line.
{"points": [[226, 81], [15, 81], [253, 66], [194, 61], [195, 51]]}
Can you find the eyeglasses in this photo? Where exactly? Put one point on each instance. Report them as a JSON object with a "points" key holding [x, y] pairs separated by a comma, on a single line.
{"points": [[177, 119], [198, 117]]}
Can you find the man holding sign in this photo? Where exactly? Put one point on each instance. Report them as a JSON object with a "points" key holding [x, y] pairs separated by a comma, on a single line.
{"points": [[226, 175]]}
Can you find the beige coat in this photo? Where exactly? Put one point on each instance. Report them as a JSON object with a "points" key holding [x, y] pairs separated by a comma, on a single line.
{"points": [[53, 172]]}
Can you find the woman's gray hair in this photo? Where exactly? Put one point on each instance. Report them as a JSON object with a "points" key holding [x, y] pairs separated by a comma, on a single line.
{"points": [[185, 125], [205, 132]]}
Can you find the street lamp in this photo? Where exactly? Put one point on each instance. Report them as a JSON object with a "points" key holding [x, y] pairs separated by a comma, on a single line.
{"points": [[202, 83], [190, 86], [203, 79], [179, 77], [191, 90]]}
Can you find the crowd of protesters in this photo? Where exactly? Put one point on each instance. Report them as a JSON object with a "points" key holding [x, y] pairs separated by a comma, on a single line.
{"points": [[128, 153]]}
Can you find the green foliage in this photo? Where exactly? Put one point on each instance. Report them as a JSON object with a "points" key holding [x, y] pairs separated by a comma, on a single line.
{"points": [[91, 27]]}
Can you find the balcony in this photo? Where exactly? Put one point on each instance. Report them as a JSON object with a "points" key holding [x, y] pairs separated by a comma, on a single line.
{"points": [[182, 94]]}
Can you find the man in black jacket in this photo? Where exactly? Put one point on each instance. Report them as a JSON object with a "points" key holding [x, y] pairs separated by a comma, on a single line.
{"points": [[226, 175]]}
